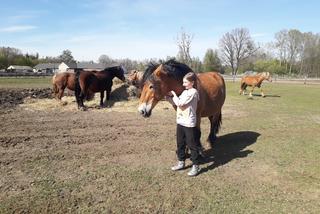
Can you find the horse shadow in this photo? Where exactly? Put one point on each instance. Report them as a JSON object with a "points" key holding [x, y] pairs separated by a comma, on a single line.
{"points": [[118, 94], [267, 95], [229, 147]]}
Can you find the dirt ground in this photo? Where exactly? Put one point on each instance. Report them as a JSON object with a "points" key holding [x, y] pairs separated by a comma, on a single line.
{"points": [[57, 159], [41, 137]]}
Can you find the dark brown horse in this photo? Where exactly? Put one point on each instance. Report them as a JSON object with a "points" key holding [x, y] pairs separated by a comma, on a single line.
{"points": [[254, 81], [87, 81], [158, 80]]}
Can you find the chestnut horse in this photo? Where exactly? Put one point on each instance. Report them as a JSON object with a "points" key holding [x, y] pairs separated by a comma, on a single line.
{"points": [[87, 81], [158, 80], [135, 78], [63, 80], [254, 81]]}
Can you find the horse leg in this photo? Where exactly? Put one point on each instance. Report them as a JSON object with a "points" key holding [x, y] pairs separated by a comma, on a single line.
{"points": [[60, 93], [215, 123], [262, 94], [250, 95], [242, 88], [101, 98], [81, 98]]}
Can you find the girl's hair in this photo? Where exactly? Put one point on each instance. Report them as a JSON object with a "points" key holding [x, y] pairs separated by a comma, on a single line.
{"points": [[191, 77]]}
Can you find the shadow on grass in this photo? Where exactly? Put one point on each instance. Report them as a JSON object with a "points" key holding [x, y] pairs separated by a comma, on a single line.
{"points": [[267, 95], [229, 147]]}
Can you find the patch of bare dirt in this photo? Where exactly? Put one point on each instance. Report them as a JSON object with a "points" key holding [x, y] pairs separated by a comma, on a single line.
{"points": [[12, 97]]}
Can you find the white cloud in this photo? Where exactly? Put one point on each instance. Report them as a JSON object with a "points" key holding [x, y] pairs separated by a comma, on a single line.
{"points": [[17, 28]]}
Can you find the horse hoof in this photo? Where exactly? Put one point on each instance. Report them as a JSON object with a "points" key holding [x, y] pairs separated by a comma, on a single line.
{"points": [[82, 108]]}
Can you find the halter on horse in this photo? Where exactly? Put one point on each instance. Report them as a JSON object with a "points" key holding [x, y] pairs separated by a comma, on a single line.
{"points": [[159, 79], [254, 81]]}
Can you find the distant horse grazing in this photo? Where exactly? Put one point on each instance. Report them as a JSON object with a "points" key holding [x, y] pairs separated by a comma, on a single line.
{"points": [[254, 81], [158, 80], [101, 81], [135, 78]]}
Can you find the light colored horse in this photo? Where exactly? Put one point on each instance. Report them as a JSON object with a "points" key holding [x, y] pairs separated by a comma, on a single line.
{"points": [[254, 81], [135, 78]]}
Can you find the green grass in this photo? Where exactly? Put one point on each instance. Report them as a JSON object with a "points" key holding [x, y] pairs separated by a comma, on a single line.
{"points": [[25, 82], [268, 161]]}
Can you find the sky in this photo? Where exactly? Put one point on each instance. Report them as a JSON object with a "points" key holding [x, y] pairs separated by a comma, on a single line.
{"points": [[142, 29]]}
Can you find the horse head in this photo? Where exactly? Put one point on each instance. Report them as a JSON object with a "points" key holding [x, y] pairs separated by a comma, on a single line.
{"points": [[155, 87], [133, 77], [119, 73]]}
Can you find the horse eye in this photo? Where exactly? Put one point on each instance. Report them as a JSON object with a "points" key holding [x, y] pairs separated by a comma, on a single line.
{"points": [[151, 87]]}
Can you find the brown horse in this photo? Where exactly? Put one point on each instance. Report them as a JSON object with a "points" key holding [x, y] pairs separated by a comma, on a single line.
{"points": [[135, 78], [101, 81], [61, 81], [158, 80], [254, 81]]}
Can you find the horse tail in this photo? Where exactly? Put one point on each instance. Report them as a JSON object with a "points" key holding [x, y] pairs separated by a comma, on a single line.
{"points": [[214, 129], [217, 124], [77, 88]]}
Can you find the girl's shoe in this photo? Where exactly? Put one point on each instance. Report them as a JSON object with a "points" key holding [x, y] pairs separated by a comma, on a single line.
{"points": [[194, 170], [180, 165]]}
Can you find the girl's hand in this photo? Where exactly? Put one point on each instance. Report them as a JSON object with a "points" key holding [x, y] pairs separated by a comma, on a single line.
{"points": [[169, 94], [173, 93]]}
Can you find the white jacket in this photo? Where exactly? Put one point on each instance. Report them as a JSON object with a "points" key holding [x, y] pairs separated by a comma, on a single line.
{"points": [[186, 107]]}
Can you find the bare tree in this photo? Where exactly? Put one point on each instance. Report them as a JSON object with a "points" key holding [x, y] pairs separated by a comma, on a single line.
{"points": [[295, 39], [281, 45], [184, 44], [235, 47]]}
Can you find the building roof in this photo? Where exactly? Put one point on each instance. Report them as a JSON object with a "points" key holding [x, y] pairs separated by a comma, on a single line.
{"points": [[19, 67], [41, 66], [88, 65], [71, 64]]}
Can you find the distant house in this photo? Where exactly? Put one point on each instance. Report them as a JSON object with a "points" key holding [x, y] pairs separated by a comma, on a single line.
{"points": [[19, 69], [48, 68], [69, 67], [65, 67]]}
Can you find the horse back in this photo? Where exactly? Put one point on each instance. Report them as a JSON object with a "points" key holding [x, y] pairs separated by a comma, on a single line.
{"points": [[212, 91]]}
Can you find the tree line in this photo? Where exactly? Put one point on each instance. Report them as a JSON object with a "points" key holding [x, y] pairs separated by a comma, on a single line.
{"points": [[291, 53]]}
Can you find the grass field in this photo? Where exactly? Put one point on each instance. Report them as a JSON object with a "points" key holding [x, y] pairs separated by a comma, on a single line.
{"points": [[25, 82], [266, 160]]}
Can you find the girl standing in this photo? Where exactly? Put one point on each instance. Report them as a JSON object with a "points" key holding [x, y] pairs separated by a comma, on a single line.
{"points": [[186, 123]]}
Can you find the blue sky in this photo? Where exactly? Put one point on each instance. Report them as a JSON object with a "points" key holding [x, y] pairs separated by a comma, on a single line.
{"points": [[141, 29]]}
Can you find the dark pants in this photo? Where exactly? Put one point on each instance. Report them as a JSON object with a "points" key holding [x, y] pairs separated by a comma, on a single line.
{"points": [[186, 137]]}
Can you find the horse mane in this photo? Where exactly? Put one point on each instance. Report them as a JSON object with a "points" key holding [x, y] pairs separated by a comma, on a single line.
{"points": [[174, 69], [111, 68]]}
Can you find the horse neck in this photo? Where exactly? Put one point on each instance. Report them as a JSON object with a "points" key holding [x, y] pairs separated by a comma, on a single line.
{"points": [[261, 78], [174, 85], [111, 73]]}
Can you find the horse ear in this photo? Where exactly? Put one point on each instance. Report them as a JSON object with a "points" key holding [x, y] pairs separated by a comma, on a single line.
{"points": [[159, 71]]}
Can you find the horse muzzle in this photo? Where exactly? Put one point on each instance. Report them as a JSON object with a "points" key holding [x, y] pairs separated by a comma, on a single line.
{"points": [[145, 113], [145, 110]]}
